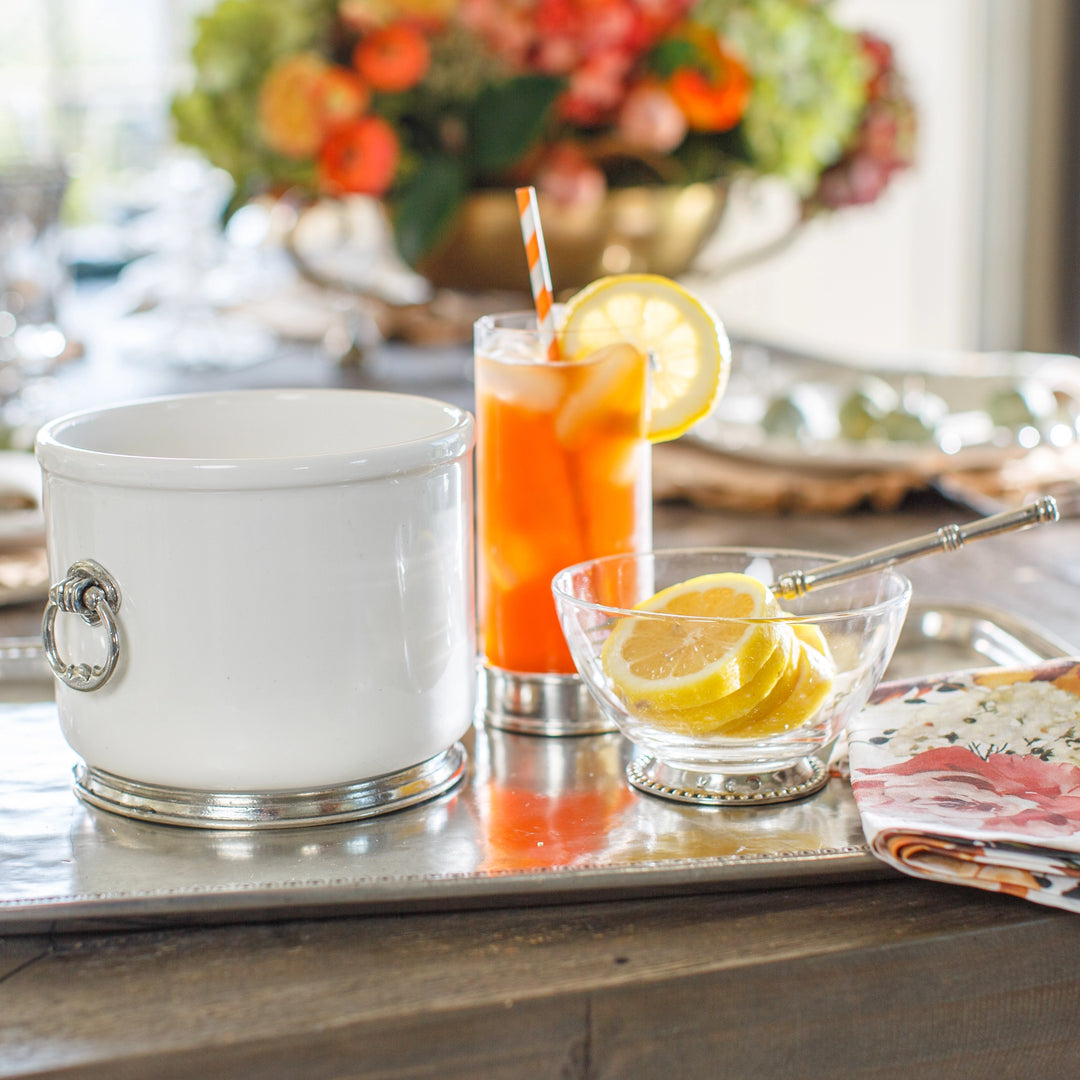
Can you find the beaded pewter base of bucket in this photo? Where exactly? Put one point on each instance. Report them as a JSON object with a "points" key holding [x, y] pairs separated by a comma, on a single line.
{"points": [[274, 809]]}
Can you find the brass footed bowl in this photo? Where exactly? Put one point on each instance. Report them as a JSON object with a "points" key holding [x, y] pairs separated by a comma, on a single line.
{"points": [[658, 230]]}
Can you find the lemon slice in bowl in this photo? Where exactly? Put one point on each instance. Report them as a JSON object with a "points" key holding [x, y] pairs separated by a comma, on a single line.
{"points": [[711, 717], [693, 643], [810, 634], [794, 702], [688, 349]]}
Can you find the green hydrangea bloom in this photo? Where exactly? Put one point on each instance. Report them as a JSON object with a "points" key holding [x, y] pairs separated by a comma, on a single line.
{"points": [[809, 83], [234, 47]]}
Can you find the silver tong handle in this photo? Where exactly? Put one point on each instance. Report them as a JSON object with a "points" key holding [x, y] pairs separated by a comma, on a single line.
{"points": [[947, 538]]}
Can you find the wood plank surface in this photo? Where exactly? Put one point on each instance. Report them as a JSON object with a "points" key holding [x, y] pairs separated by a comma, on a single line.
{"points": [[16, 953], [868, 980]]}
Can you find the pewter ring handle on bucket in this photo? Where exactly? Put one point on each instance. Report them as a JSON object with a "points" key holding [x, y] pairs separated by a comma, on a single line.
{"points": [[90, 592]]}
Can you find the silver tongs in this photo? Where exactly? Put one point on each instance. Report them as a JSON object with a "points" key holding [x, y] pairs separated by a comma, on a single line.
{"points": [[947, 538]]}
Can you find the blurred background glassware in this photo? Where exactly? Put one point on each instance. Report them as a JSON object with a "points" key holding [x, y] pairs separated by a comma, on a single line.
{"points": [[859, 621], [180, 297], [33, 275]]}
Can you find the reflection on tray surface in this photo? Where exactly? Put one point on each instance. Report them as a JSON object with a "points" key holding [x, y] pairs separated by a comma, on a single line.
{"points": [[529, 805]]}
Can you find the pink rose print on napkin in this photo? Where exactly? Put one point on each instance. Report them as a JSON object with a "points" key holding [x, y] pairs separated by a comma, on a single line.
{"points": [[954, 787]]}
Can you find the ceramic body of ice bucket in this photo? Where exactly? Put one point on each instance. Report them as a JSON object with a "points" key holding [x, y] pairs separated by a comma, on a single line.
{"points": [[262, 611]]}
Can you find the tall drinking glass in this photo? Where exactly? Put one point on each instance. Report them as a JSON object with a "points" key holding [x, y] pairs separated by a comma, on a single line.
{"points": [[563, 474]]}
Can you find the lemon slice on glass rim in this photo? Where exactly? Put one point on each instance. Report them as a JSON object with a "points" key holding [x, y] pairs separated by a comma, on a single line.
{"points": [[688, 349]]}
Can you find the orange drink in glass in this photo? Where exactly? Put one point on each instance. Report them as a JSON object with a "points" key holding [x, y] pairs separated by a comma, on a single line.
{"points": [[563, 475]]}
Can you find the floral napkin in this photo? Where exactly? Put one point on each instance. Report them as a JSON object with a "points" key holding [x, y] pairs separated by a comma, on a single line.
{"points": [[974, 779]]}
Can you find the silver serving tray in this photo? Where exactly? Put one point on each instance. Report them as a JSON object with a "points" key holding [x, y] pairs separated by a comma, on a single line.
{"points": [[536, 820]]}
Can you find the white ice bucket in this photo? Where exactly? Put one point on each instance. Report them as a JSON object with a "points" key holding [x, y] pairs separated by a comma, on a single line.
{"points": [[263, 604]]}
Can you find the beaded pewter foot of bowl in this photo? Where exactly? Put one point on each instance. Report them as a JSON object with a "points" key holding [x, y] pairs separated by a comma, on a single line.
{"points": [[732, 696]]}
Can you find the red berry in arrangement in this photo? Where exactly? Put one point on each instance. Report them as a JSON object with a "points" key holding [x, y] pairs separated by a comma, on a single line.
{"points": [[596, 88], [856, 181], [393, 58], [651, 119], [880, 55], [359, 157], [569, 178]]}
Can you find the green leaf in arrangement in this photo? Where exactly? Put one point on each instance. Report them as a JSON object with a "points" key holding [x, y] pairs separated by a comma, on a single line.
{"points": [[667, 57], [508, 120], [705, 157], [427, 205]]}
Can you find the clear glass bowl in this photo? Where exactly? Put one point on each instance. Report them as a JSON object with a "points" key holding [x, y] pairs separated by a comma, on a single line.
{"points": [[762, 741]]}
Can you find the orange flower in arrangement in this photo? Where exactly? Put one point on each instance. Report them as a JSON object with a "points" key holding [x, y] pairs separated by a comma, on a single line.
{"points": [[302, 99], [359, 158], [392, 59], [288, 107], [714, 91]]}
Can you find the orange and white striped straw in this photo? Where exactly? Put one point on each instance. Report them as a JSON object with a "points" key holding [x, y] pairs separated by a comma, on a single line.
{"points": [[539, 271]]}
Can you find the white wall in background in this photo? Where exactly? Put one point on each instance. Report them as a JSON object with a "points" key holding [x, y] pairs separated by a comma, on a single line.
{"points": [[937, 262]]}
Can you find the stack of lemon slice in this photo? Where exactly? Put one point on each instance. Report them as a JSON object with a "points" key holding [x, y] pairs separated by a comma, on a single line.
{"points": [[727, 664]]}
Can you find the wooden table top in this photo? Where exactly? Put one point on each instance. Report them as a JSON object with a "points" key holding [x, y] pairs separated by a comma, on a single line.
{"points": [[887, 979]]}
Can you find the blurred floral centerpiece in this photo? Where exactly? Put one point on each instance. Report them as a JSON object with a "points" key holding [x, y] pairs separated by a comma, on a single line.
{"points": [[428, 104]]}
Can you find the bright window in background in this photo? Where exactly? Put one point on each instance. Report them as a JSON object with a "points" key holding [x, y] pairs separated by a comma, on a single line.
{"points": [[90, 81]]}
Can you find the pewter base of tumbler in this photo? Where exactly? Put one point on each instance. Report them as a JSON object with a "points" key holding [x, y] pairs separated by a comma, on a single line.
{"points": [[540, 704], [272, 809], [795, 781]]}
